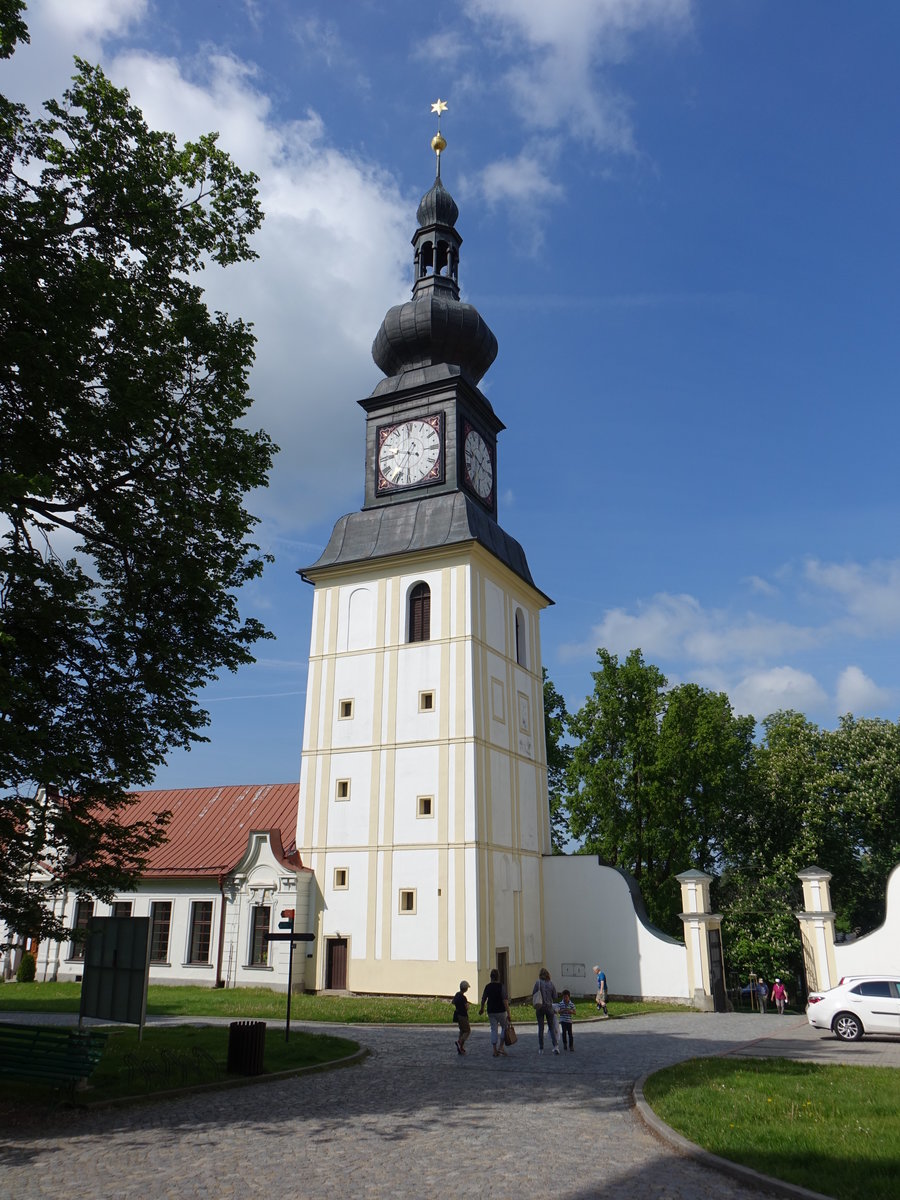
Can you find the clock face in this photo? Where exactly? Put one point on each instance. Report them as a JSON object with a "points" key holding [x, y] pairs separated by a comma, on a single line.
{"points": [[479, 468], [410, 453]]}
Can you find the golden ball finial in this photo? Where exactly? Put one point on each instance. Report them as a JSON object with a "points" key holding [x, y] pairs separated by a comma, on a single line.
{"points": [[438, 143]]}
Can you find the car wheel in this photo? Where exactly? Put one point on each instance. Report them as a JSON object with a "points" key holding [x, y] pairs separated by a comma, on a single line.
{"points": [[847, 1027]]}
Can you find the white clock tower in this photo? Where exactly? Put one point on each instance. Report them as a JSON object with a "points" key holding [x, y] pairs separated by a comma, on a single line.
{"points": [[423, 810]]}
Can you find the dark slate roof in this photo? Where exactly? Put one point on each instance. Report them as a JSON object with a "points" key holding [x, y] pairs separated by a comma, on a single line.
{"points": [[428, 523], [210, 827], [434, 327], [437, 207]]}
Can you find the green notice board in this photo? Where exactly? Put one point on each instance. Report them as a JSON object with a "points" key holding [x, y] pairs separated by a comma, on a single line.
{"points": [[116, 969]]}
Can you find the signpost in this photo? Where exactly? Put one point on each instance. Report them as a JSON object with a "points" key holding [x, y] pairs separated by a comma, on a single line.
{"points": [[287, 923]]}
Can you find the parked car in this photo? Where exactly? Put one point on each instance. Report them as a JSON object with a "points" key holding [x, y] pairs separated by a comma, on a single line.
{"points": [[859, 1004]]}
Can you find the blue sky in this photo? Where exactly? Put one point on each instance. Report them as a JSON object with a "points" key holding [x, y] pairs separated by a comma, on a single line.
{"points": [[680, 218]]}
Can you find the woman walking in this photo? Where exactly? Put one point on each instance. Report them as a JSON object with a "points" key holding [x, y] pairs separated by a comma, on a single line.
{"points": [[543, 997], [497, 1001]]}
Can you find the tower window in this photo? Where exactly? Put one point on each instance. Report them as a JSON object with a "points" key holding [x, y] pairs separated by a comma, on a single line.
{"points": [[424, 806], [521, 640], [345, 709], [420, 613], [407, 900], [341, 878], [426, 701], [342, 789]]}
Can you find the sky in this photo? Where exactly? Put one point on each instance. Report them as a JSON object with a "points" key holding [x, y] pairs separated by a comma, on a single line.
{"points": [[680, 218]]}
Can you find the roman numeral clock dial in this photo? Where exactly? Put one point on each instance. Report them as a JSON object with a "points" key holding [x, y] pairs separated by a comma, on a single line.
{"points": [[479, 465], [410, 453]]}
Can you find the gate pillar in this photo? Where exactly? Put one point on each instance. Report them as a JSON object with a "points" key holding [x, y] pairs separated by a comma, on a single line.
{"points": [[703, 942], [817, 930]]}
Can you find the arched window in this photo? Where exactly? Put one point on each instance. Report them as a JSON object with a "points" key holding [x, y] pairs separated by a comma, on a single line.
{"points": [[420, 613], [521, 656]]}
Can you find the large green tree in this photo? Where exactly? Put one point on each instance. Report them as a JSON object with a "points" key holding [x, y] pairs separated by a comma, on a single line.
{"points": [[123, 473], [652, 770], [558, 755]]}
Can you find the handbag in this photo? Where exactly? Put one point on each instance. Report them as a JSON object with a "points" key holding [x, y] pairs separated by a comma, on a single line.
{"points": [[511, 1037]]}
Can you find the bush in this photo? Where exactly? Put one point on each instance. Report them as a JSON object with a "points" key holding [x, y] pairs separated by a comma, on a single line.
{"points": [[26, 971]]}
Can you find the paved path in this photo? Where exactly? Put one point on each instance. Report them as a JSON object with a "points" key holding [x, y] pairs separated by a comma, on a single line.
{"points": [[416, 1121]]}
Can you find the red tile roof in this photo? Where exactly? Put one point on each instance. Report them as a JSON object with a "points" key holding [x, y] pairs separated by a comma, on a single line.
{"points": [[210, 827]]}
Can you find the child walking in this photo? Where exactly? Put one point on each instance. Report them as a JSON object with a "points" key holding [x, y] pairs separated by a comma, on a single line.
{"points": [[461, 1016], [566, 1013]]}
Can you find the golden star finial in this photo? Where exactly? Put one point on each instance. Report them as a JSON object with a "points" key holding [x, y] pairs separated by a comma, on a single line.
{"points": [[439, 142]]}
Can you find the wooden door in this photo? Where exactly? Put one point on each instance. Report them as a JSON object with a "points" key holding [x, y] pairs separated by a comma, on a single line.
{"points": [[336, 964]]}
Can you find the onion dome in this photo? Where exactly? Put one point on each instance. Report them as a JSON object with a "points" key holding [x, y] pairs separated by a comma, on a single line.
{"points": [[435, 330]]}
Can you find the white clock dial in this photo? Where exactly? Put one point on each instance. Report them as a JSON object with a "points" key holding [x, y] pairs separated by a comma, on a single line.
{"points": [[409, 453], [479, 468]]}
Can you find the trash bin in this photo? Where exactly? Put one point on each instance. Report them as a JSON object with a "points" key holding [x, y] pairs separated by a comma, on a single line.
{"points": [[246, 1047]]}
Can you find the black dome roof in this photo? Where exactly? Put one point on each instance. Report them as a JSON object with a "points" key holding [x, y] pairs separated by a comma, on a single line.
{"points": [[437, 207]]}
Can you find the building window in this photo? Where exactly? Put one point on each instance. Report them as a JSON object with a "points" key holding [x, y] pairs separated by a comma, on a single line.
{"points": [[420, 613], [407, 900], [425, 806], [342, 789], [426, 701], [160, 924], [84, 910], [201, 931], [341, 878], [259, 947], [345, 710], [521, 656], [121, 908]]}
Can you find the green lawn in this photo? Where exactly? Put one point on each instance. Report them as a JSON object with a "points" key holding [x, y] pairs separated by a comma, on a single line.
{"points": [[835, 1129], [268, 1005], [167, 1059]]}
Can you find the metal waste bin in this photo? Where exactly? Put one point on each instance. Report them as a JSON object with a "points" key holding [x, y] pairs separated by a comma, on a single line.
{"points": [[246, 1047]]}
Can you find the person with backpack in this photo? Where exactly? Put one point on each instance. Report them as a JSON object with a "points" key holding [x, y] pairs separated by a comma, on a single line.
{"points": [[543, 997]]}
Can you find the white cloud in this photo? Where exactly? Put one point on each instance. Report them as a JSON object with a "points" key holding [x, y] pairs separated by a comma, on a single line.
{"points": [[333, 254], [559, 49], [870, 593], [858, 694], [88, 19], [677, 626], [758, 584], [763, 692]]}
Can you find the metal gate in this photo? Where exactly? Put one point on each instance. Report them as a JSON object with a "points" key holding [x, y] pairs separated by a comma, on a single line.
{"points": [[717, 970]]}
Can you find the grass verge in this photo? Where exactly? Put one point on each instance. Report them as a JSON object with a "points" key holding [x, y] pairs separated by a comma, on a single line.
{"points": [[261, 1003], [835, 1129], [176, 1057]]}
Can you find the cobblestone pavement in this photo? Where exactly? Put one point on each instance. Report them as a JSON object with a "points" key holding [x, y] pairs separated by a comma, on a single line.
{"points": [[414, 1120]]}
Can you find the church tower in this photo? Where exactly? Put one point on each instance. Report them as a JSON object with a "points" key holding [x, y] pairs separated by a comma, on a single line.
{"points": [[423, 810]]}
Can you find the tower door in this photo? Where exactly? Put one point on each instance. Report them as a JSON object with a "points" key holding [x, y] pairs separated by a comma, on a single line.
{"points": [[716, 970], [336, 963]]}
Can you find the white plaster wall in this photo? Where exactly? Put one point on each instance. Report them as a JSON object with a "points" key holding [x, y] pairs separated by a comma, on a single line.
{"points": [[500, 799], [877, 951], [589, 918], [345, 908], [354, 679], [495, 617], [348, 820], [415, 935], [505, 876], [528, 808], [416, 773], [418, 670], [531, 869], [356, 618]]}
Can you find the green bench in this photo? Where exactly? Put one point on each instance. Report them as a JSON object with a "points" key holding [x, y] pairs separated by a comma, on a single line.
{"points": [[50, 1053]]}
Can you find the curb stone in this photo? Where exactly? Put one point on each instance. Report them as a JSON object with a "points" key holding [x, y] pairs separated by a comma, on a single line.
{"points": [[765, 1183]]}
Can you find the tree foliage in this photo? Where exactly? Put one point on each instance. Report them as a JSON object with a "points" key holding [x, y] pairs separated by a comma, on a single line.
{"points": [[558, 755], [124, 473], [652, 771]]}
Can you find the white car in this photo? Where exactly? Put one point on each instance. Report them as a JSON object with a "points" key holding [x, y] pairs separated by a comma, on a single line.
{"points": [[859, 1004]]}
